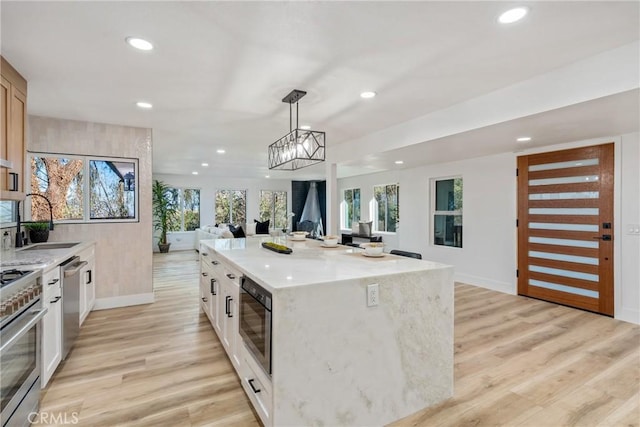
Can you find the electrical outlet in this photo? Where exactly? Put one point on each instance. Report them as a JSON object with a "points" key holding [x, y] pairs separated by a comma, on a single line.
{"points": [[372, 295]]}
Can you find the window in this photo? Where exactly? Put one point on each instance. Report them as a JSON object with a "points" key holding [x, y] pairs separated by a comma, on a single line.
{"points": [[447, 212], [350, 208], [273, 207], [7, 212], [109, 194], [386, 207], [188, 202], [231, 206]]}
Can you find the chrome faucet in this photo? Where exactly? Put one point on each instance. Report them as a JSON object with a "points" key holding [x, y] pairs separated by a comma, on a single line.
{"points": [[19, 242]]}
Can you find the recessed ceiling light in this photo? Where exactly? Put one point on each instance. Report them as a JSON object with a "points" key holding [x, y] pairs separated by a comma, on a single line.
{"points": [[367, 95], [399, 162], [205, 164], [524, 139], [513, 15], [194, 173], [220, 151], [266, 176], [139, 43], [145, 105], [305, 127]]}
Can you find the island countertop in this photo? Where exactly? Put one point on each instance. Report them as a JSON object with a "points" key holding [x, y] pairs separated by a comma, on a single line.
{"points": [[310, 262]]}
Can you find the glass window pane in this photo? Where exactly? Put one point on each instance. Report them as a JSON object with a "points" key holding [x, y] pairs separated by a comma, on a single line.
{"points": [[563, 180], [239, 207], [563, 288], [449, 195], [109, 197], [561, 196], [560, 226], [7, 212], [564, 211], [191, 209], [564, 273], [51, 176], [447, 230], [562, 165], [564, 242]]}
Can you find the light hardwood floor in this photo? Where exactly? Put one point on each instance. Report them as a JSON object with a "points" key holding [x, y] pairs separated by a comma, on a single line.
{"points": [[518, 362]]}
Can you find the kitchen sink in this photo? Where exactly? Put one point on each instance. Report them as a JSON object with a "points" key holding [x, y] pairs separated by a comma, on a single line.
{"points": [[42, 246]]}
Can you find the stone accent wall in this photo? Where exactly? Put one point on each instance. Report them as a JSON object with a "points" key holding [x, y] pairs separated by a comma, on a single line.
{"points": [[123, 259]]}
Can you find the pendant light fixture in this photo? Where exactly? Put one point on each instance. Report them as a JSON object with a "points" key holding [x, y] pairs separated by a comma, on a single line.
{"points": [[300, 147]]}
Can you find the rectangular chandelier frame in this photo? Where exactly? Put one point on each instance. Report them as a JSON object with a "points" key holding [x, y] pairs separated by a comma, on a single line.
{"points": [[300, 147]]}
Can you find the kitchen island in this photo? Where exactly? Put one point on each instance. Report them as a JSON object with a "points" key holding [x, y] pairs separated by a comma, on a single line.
{"points": [[335, 359]]}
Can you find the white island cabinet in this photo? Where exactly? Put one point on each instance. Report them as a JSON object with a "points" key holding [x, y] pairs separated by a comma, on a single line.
{"points": [[337, 359]]}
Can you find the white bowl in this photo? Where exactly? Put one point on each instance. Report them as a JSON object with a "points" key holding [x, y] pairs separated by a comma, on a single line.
{"points": [[372, 248], [299, 235], [330, 240]]}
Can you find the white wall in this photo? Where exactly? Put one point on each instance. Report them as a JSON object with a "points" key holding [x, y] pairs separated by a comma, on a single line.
{"points": [[488, 256], [208, 187]]}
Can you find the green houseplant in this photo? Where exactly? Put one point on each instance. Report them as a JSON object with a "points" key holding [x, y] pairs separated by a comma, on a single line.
{"points": [[164, 212], [38, 231]]}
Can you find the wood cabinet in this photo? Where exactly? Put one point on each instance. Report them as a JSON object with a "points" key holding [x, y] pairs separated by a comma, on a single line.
{"points": [[87, 283], [13, 106], [51, 336]]}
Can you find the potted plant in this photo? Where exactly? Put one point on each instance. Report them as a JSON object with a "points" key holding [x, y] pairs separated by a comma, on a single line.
{"points": [[38, 231], [164, 212]]}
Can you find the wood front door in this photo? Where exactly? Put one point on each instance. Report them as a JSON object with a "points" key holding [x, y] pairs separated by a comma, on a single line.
{"points": [[565, 227]]}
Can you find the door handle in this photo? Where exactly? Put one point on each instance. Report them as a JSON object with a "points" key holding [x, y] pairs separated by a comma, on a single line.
{"points": [[14, 181], [255, 390], [606, 237]]}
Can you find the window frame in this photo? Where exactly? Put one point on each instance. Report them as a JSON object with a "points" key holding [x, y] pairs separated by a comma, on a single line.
{"points": [[374, 210], [345, 205], [434, 212], [181, 190], [272, 212], [230, 220], [86, 187]]}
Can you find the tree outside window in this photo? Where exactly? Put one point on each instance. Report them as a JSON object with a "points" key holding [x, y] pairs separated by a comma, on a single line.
{"points": [[231, 206], [109, 193], [350, 207], [188, 202], [447, 212], [387, 207], [273, 207]]}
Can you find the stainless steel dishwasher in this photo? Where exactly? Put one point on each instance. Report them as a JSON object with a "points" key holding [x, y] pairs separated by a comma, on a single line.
{"points": [[70, 302]]}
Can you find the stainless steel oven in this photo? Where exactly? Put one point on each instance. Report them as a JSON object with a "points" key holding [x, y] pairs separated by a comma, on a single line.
{"points": [[255, 321], [20, 314]]}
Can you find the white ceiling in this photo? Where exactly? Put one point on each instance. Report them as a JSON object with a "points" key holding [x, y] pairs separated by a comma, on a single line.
{"points": [[220, 69]]}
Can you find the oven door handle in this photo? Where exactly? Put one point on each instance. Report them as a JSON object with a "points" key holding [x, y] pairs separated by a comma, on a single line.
{"points": [[38, 314]]}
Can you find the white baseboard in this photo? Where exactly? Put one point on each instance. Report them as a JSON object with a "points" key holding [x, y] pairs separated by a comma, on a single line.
{"points": [[628, 315], [123, 301], [494, 285]]}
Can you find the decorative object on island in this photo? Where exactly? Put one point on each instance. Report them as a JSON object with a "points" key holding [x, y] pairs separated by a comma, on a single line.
{"points": [[300, 147], [281, 249], [164, 211], [38, 231]]}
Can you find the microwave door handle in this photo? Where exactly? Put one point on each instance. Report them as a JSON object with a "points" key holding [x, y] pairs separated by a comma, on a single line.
{"points": [[38, 314]]}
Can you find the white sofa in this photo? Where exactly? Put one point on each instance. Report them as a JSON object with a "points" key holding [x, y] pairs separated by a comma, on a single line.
{"points": [[209, 232]]}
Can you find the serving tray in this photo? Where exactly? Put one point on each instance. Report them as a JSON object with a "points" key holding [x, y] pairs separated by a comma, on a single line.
{"points": [[279, 248]]}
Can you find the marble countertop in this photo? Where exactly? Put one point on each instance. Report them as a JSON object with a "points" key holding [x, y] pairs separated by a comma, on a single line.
{"points": [[310, 263], [44, 258]]}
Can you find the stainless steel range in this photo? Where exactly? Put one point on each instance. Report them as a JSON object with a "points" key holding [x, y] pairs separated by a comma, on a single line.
{"points": [[20, 314]]}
